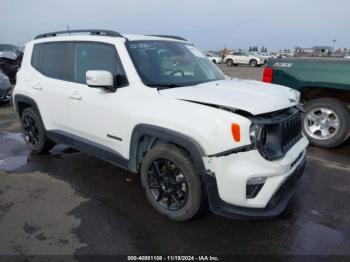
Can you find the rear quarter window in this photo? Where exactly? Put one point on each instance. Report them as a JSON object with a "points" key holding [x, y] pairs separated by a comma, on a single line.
{"points": [[36, 56]]}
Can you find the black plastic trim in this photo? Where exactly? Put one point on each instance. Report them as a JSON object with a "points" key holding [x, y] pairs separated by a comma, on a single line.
{"points": [[115, 137], [89, 147], [194, 149], [28, 100], [276, 206], [233, 151]]}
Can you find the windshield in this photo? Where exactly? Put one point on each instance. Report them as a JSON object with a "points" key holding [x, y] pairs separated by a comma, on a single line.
{"points": [[172, 64]]}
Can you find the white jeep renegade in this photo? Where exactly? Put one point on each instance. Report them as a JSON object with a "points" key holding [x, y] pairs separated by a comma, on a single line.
{"points": [[157, 106]]}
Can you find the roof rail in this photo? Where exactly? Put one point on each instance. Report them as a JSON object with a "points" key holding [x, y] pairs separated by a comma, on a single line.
{"points": [[171, 36], [91, 31]]}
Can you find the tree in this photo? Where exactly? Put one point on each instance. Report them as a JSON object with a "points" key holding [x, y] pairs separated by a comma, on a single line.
{"points": [[262, 49], [250, 49]]}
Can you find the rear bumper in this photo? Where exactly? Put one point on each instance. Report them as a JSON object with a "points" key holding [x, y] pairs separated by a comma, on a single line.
{"points": [[275, 206]]}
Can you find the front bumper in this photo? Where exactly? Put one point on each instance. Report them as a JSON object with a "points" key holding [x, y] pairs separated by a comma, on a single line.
{"points": [[227, 188]]}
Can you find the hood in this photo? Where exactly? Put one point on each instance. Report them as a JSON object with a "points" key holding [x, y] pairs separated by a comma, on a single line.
{"points": [[254, 97], [9, 55]]}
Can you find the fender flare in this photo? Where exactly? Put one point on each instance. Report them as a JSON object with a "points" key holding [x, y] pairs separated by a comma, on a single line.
{"points": [[194, 149], [28, 100]]}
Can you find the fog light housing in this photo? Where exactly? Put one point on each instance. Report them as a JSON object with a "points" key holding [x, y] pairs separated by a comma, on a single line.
{"points": [[253, 187]]}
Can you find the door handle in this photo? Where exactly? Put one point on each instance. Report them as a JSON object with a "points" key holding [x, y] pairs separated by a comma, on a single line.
{"points": [[37, 87], [75, 96]]}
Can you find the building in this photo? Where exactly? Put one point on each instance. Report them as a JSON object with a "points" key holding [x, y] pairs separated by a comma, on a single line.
{"points": [[317, 51]]}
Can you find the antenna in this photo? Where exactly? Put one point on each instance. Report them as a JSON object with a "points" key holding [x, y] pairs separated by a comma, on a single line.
{"points": [[68, 29]]}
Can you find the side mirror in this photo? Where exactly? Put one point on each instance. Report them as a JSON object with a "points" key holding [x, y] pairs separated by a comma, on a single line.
{"points": [[100, 79]]}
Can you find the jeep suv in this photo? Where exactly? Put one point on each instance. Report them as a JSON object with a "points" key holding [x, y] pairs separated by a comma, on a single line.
{"points": [[157, 106]]}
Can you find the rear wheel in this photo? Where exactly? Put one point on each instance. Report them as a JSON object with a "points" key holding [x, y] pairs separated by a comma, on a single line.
{"points": [[229, 62], [326, 122], [170, 182], [34, 132]]}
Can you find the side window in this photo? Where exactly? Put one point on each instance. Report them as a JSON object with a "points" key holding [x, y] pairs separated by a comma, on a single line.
{"points": [[57, 60], [36, 57], [96, 56]]}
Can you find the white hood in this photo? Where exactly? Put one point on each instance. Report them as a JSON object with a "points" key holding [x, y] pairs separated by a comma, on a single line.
{"points": [[254, 97]]}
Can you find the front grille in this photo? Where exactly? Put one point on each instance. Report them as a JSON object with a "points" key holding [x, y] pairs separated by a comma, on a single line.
{"points": [[278, 132]]}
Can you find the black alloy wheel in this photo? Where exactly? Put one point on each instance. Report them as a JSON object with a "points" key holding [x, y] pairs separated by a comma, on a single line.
{"points": [[31, 131], [167, 184], [34, 132], [171, 183]]}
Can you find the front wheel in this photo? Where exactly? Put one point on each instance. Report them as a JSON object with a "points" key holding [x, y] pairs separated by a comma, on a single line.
{"points": [[253, 63], [229, 62], [170, 182], [326, 122]]}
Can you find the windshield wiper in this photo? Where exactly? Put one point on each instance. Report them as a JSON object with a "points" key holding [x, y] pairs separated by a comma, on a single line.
{"points": [[164, 86]]}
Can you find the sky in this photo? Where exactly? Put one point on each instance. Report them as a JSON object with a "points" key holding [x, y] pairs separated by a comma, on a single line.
{"points": [[212, 25]]}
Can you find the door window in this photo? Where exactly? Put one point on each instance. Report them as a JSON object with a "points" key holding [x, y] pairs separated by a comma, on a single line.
{"points": [[58, 60], [96, 56]]}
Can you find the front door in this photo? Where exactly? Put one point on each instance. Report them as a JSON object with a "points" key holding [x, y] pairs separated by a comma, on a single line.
{"points": [[96, 116]]}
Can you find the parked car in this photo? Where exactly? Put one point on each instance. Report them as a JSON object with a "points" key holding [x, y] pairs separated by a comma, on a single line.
{"points": [[10, 61], [157, 106], [325, 89], [214, 58], [265, 56], [9, 51], [243, 58], [5, 88]]}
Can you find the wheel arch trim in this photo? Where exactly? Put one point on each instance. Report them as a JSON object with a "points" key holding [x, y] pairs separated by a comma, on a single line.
{"points": [[189, 144], [26, 99]]}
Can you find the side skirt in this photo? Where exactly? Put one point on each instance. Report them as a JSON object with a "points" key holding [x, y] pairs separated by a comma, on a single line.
{"points": [[88, 147]]}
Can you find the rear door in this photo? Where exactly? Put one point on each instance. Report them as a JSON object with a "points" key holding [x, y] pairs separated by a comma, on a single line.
{"points": [[238, 57], [244, 58], [53, 69]]}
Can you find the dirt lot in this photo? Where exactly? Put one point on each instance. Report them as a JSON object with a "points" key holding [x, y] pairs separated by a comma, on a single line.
{"points": [[71, 203]]}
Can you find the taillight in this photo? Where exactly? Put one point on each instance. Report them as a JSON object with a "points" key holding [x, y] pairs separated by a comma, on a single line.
{"points": [[267, 76]]}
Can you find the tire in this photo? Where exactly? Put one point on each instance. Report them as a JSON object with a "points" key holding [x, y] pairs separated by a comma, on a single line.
{"points": [[326, 116], [214, 61], [163, 165], [34, 132], [229, 62], [253, 63]]}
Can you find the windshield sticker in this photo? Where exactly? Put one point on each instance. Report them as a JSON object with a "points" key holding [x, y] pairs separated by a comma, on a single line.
{"points": [[195, 51], [283, 64]]}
